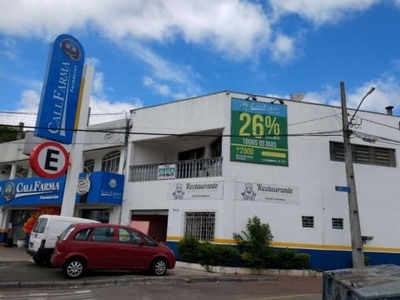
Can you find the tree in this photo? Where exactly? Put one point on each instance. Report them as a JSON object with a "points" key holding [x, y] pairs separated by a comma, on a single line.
{"points": [[8, 133], [255, 243]]}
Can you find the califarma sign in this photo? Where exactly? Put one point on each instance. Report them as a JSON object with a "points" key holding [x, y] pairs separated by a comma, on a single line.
{"points": [[60, 99]]}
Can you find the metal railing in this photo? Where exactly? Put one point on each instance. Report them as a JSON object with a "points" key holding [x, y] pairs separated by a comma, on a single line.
{"points": [[197, 168]]}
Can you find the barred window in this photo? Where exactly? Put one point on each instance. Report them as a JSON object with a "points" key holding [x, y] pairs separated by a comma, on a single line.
{"points": [[337, 223], [110, 162], [364, 154], [88, 166], [307, 221], [200, 225]]}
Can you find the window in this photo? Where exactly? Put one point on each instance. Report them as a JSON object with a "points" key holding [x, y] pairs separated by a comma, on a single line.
{"points": [[88, 166], [129, 236], [110, 162], [337, 223], [216, 148], [307, 221], [149, 241], [192, 154], [364, 154], [101, 215], [103, 234], [40, 225], [200, 225], [82, 235]]}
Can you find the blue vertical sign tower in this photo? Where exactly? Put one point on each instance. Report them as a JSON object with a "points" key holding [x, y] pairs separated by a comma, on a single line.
{"points": [[60, 99]]}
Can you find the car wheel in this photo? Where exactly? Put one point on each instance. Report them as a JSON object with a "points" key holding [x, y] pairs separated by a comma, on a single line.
{"points": [[74, 268], [158, 267]]}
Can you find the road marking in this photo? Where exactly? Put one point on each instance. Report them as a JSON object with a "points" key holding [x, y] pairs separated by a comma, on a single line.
{"points": [[283, 297], [76, 295]]}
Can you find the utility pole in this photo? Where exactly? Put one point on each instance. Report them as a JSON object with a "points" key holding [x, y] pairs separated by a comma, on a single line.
{"points": [[355, 227]]}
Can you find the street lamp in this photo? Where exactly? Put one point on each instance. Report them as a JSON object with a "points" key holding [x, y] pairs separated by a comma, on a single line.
{"points": [[354, 217]]}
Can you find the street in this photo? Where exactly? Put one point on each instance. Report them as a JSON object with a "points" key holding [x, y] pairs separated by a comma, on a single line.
{"points": [[299, 288]]}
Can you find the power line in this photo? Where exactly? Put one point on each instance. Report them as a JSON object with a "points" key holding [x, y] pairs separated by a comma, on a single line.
{"points": [[120, 131], [385, 125]]}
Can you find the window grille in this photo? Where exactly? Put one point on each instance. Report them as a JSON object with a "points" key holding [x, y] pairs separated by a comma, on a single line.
{"points": [[307, 221], [337, 223], [110, 162], [200, 225], [364, 154], [88, 166]]}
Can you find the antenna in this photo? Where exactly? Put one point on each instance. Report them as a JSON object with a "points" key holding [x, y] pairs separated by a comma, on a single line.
{"points": [[297, 97]]}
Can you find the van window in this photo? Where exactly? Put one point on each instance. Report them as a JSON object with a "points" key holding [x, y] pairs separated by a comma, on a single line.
{"points": [[40, 225], [66, 232]]}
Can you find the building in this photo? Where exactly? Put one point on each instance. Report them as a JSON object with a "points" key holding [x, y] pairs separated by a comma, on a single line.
{"points": [[100, 184], [203, 166]]}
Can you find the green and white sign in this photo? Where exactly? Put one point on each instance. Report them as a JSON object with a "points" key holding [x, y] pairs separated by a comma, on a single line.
{"points": [[259, 132], [166, 171]]}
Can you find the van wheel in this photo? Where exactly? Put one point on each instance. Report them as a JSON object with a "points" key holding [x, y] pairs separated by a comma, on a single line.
{"points": [[158, 267], [38, 261], [74, 268]]}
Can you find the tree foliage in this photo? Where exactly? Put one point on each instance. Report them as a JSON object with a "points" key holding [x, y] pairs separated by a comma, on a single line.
{"points": [[8, 133], [255, 243]]}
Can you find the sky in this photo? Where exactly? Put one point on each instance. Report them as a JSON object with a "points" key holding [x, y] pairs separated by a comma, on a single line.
{"points": [[149, 52]]}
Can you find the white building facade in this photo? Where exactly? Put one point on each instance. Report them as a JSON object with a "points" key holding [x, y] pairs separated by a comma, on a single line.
{"points": [[204, 166], [24, 194]]}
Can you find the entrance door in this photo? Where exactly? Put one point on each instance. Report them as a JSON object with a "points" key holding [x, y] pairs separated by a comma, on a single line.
{"points": [[152, 223]]}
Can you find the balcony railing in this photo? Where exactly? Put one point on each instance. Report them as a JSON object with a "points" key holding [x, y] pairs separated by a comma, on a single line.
{"points": [[197, 168]]}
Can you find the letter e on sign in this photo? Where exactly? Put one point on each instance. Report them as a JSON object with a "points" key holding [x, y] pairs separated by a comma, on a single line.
{"points": [[49, 160]]}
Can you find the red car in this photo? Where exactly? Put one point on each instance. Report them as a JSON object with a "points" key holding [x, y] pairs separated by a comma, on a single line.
{"points": [[98, 246]]}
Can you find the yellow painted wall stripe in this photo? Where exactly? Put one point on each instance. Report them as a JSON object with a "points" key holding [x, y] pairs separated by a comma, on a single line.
{"points": [[302, 245]]}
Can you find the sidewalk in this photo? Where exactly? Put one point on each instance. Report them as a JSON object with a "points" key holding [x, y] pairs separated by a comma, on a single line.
{"points": [[19, 271], [13, 254]]}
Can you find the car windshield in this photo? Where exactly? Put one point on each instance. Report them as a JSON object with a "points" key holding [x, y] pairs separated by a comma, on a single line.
{"points": [[63, 236]]}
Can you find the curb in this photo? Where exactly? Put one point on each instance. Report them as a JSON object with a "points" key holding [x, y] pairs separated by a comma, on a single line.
{"points": [[70, 284], [247, 271]]}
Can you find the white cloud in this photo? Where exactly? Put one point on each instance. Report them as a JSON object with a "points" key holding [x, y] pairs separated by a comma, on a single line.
{"points": [[97, 86], [321, 11], [8, 48], [236, 28], [161, 89], [387, 89], [174, 80], [284, 48], [102, 109]]}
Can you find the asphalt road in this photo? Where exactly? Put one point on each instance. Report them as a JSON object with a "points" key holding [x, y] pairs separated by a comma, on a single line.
{"points": [[285, 289]]}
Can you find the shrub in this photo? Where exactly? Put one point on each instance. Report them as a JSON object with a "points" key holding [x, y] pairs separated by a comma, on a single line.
{"points": [[290, 259], [188, 249], [255, 243], [216, 255]]}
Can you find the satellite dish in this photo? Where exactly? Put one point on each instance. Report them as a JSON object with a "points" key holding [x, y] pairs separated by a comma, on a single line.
{"points": [[297, 97]]}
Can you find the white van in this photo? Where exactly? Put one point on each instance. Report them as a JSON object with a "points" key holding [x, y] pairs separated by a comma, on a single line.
{"points": [[44, 235]]}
